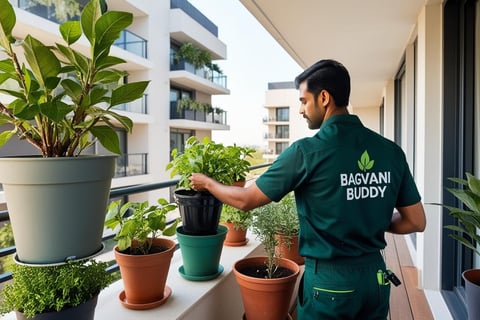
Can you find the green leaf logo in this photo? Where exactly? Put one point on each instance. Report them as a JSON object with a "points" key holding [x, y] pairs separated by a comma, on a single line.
{"points": [[365, 163]]}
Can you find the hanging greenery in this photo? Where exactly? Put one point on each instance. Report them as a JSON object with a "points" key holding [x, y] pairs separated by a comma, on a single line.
{"points": [[196, 56]]}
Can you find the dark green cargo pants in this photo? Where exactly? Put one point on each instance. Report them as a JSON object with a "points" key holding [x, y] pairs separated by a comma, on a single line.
{"points": [[345, 288]]}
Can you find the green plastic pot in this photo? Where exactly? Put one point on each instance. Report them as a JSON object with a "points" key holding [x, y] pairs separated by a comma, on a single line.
{"points": [[201, 254]]}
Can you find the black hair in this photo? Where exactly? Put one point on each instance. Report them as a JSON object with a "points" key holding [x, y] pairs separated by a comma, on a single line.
{"points": [[327, 75]]}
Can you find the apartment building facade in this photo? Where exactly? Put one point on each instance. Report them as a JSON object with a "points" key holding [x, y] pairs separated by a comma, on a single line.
{"points": [[149, 47]]}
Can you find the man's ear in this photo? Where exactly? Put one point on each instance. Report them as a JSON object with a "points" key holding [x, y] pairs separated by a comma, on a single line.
{"points": [[324, 98]]}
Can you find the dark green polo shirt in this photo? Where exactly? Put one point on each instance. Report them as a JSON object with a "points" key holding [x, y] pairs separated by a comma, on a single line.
{"points": [[347, 180]]}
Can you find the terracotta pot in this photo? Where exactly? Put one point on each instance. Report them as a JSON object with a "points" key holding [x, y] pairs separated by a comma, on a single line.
{"points": [[235, 237], [289, 252], [144, 276], [266, 299]]}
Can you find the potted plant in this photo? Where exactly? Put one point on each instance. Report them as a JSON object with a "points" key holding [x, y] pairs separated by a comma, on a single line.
{"points": [[266, 282], [288, 228], [200, 211], [237, 221], [61, 103], [466, 233], [65, 291], [142, 253]]}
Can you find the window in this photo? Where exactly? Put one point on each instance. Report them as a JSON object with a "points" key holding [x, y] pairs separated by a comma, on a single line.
{"points": [[283, 114], [280, 146], [178, 138], [282, 132]]}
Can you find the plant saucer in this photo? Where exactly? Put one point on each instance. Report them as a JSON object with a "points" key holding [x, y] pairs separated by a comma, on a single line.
{"points": [[235, 243], [200, 278], [144, 306]]}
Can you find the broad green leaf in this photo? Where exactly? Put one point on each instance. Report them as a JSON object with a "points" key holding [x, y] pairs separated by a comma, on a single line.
{"points": [[126, 122], [473, 184], [107, 62], [72, 88], [17, 106], [67, 53], [128, 92], [108, 28], [29, 112], [4, 77], [107, 137], [7, 66], [52, 82], [90, 14], [71, 31], [108, 76], [7, 22], [5, 136], [42, 61], [55, 111], [97, 95], [13, 93]]}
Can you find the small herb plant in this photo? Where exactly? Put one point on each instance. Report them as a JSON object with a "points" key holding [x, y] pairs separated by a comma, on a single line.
{"points": [[222, 163], [37, 290], [139, 223], [286, 218], [468, 214], [241, 220], [63, 99], [265, 231]]}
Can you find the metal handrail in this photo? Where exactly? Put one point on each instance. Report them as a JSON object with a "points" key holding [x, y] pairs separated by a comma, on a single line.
{"points": [[116, 192]]}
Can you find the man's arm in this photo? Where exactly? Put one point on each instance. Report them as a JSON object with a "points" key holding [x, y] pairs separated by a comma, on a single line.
{"points": [[241, 198], [408, 219]]}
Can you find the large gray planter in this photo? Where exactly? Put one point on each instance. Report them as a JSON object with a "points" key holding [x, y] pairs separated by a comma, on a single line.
{"points": [[57, 206]]}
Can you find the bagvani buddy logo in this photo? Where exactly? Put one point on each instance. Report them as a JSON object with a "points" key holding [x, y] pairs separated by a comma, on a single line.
{"points": [[367, 183]]}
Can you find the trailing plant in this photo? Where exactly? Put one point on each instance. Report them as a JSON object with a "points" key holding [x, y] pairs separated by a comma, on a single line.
{"points": [[241, 220], [64, 9], [189, 104], [63, 99], [139, 223], [468, 214], [37, 290], [197, 57]]}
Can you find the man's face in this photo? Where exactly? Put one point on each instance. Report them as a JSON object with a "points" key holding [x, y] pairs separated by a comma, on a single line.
{"points": [[310, 109]]}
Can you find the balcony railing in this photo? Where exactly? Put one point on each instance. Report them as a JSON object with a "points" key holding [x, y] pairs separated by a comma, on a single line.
{"points": [[114, 193], [132, 43], [137, 106], [127, 40], [204, 72], [197, 115], [132, 164]]}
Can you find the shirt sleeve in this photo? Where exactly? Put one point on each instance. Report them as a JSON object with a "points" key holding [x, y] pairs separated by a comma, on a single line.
{"points": [[408, 193], [285, 174]]}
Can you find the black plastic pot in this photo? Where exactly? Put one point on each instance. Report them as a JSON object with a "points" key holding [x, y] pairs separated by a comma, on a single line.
{"points": [[200, 211], [84, 311]]}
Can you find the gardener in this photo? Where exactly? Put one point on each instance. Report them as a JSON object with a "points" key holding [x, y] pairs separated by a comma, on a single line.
{"points": [[348, 181]]}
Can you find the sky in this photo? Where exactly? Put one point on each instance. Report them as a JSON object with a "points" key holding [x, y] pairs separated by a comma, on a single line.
{"points": [[254, 59]]}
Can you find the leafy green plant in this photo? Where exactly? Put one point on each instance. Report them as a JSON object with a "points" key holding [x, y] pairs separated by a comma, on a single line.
{"points": [[36, 290], [222, 163], [239, 166], [196, 56], [241, 220], [139, 223], [63, 99], [64, 9], [468, 215]]}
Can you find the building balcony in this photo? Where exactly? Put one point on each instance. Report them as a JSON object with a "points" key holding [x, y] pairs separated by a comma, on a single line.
{"points": [[201, 79], [217, 116], [127, 41], [137, 106]]}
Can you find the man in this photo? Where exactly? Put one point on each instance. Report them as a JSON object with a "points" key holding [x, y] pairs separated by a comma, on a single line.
{"points": [[347, 182]]}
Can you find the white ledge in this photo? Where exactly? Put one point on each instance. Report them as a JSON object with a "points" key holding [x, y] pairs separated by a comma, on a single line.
{"points": [[214, 299]]}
